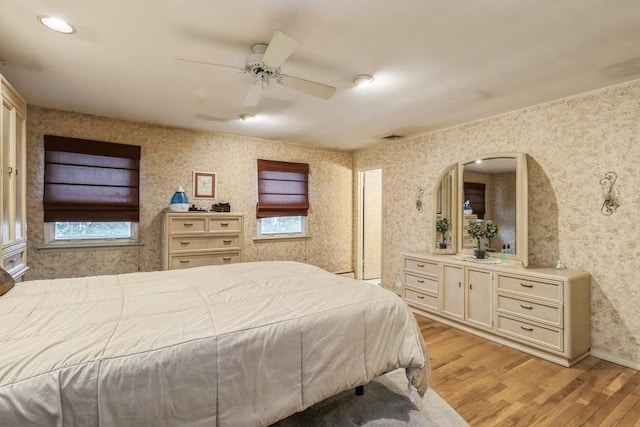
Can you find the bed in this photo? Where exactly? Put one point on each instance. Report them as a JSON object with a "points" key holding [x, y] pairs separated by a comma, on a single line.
{"points": [[236, 345]]}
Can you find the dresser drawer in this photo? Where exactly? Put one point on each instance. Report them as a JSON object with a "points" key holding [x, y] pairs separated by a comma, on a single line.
{"points": [[422, 282], [421, 266], [224, 224], [13, 261], [549, 290], [189, 261], [187, 225], [191, 243], [421, 298], [531, 310], [543, 336]]}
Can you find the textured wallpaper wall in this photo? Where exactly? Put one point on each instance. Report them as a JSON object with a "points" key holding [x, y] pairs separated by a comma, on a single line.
{"points": [[571, 144], [169, 156]]}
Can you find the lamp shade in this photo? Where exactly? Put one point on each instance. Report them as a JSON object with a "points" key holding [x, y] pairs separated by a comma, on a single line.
{"points": [[179, 201]]}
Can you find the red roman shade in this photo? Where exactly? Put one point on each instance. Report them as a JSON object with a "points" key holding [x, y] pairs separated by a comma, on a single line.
{"points": [[88, 180], [283, 189]]}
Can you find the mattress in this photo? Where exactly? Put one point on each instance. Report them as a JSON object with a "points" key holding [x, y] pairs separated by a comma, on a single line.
{"points": [[237, 345]]}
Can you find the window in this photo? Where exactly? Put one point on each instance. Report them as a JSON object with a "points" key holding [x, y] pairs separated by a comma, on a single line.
{"points": [[91, 191], [283, 200]]}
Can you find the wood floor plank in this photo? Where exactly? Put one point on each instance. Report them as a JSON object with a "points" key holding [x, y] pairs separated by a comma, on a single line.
{"points": [[493, 385]]}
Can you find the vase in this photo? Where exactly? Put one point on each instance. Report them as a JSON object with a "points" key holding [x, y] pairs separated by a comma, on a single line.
{"points": [[478, 253]]}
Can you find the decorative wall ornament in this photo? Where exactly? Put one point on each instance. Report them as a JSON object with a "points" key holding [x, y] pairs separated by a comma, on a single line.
{"points": [[610, 203], [419, 194]]}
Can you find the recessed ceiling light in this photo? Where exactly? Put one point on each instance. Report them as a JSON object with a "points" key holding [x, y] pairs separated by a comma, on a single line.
{"points": [[362, 79], [56, 24]]}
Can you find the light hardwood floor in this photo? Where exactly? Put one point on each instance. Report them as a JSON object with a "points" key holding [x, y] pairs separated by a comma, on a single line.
{"points": [[493, 385]]}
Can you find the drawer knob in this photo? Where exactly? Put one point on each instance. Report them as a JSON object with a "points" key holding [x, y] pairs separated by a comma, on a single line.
{"points": [[526, 329], [420, 296], [526, 307], [420, 265], [187, 224], [470, 285], [525, 285], [459, 284], [185, 243], [184, 261], [12, 260], [226, 242], [224, 224], [227, 258], [420, 281]]}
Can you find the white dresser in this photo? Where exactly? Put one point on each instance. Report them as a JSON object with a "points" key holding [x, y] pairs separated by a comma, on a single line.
{"points": [[13, 208], [542, 311], [194, 239]]}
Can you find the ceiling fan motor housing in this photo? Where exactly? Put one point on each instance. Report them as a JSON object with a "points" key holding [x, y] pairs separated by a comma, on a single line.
{"points": [[255, 66]]}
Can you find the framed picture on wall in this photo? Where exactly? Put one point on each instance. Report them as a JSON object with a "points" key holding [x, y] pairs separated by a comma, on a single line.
{"points": [[204, 185]]}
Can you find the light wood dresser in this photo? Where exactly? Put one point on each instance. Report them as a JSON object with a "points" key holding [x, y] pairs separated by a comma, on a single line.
{"points": [[542, 311], [194, 239]]}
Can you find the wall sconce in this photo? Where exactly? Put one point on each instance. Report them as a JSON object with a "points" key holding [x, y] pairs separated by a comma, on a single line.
{"points": [[420, 193], [610, 203]]}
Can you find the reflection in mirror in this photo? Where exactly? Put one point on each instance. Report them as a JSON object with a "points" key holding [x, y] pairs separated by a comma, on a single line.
{"points": [[444, 218], [489, 187]]}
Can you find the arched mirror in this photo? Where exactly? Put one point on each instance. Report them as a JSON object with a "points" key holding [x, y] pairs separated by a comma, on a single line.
{"points": [[445, 215], [490, 189]]}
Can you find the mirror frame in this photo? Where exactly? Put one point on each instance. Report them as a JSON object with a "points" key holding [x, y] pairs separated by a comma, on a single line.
{"points": [[453, 170], [522, 207]]}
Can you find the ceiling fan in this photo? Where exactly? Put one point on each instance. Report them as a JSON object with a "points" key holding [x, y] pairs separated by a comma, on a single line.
{"points": [[265, 64]]}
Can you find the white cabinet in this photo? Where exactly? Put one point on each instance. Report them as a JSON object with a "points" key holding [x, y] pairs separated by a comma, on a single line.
{"points": [[542, 311], [467, 294], [452, 291], [13, 211], [195, 239], [479, 289]]}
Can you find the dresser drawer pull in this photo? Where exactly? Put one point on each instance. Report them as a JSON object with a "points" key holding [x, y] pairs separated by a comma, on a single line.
{"points": [[187, 224], [526, 307], [459, 284], [185, 243], [526, 329], [524, 285], [224, 224], [185, 261], [12, 260], [420, 281], [226, 242], [227, 258], [420, 296]]}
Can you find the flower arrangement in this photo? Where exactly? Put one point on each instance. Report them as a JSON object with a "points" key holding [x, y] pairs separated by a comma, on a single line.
{"points": [[482, 229], [442, 226]]}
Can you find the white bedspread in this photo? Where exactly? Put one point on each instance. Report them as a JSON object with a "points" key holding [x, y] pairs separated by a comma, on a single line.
{"points": [[236, 345]]}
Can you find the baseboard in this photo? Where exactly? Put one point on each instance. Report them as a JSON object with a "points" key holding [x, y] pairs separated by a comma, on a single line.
{"points": [[615, 359]]}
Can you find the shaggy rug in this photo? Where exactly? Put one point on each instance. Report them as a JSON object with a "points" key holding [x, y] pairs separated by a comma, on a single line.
{"points": [[385, 402]]}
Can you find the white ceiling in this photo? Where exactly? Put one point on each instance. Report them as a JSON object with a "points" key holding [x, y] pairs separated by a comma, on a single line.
{"points": [[436, 62]]}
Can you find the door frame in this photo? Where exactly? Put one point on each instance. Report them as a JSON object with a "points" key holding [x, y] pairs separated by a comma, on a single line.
{"points": [[359, 270]]}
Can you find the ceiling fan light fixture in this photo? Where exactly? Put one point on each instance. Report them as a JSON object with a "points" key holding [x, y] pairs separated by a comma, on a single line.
{"points": [[362, 79], [56, 24]]}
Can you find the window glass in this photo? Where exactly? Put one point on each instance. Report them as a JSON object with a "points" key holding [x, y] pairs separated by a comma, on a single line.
{"points": [[282, 225], [92, 230]]}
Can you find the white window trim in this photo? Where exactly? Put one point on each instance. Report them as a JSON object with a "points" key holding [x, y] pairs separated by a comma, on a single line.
{"points": [[50, 243], [281, 236]]}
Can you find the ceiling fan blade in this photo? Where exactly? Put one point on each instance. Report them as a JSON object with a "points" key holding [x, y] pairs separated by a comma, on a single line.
{"points": [[307, 86], [279, 49], [181, 62], [252, 98]]}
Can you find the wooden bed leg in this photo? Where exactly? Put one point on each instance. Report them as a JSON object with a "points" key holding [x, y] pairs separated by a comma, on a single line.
{"points": [[359, 390]]}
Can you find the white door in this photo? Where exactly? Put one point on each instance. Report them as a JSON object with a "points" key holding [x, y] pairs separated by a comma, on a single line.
{"points": [[370, 233]]}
